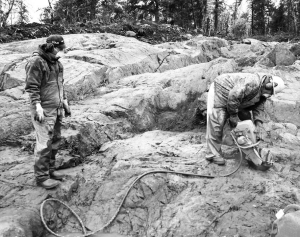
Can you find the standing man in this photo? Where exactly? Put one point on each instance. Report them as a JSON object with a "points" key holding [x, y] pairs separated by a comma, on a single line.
{"points": [[44, 84], [231, 97]]}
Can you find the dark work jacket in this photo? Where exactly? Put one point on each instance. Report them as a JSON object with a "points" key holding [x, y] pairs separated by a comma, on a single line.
{"points": [[44, 80], [236, 91]]}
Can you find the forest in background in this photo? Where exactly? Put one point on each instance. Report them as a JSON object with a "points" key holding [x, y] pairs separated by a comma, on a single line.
{"points": [[209, 17]]}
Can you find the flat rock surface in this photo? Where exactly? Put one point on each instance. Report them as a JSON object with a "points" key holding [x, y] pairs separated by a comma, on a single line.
{"points": [[159, 204]]}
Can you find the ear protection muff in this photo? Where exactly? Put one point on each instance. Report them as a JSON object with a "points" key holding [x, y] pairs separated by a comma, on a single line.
{"points": [[49, 47], [269, 86], [270, 83]]}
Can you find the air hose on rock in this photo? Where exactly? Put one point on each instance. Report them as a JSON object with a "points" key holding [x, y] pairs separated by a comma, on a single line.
{"points": [[86, 233]]}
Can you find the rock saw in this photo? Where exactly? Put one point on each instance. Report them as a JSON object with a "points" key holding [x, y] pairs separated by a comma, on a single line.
{"points": [[244, 136]]}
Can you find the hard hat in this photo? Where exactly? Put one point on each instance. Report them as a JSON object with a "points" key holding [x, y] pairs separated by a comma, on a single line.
{"points": [[278, 84]]}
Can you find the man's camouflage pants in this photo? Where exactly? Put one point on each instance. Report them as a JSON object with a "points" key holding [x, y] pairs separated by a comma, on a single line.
{"points": [[218, 129]]}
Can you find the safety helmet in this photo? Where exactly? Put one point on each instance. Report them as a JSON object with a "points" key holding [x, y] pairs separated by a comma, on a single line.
{"points": [[280, 84], [276, 83]]}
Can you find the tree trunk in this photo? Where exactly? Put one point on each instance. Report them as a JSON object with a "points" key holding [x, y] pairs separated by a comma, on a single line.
{"points": [[1, 14], [264, 13], [51, 12], [227, 26], [252, 17], [182, 16], [204, 10], [298, 13], [216, 16], [92, 8], [289, 15], [6, 14], [200, 17], [208, 26], [193, 11], [156, 11], [235, 9], [294, 9], [156, 16]]}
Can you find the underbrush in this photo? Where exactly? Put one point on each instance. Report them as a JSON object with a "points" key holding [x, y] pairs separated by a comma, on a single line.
{"points": [[148, 32]]}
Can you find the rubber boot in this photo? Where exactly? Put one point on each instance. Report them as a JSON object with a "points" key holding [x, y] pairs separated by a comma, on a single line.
{"points": [[48, 184], [52, 160], [56, 175], [216, 159]]}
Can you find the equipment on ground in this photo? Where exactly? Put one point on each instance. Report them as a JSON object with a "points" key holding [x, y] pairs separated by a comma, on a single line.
{"points": [[287, 224], [245, 138]]}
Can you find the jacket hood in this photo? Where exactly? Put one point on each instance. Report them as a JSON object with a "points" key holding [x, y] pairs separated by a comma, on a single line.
{"points": [[49, 57]]}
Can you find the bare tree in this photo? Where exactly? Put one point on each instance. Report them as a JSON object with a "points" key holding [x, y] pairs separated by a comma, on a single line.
{"points": [[4, 15], [22, 12], [193, 11], [216, 15], [1, 12], [294, 10], [51, 11]]}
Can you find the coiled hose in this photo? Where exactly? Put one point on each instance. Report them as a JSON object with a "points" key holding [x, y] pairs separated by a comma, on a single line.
{"points": [[85, 233]]}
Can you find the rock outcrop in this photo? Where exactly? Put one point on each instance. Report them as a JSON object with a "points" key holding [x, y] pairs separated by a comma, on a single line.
{"points": [[134, 108], [103, 66], [281, 55], [285, 106], [247, 54]]}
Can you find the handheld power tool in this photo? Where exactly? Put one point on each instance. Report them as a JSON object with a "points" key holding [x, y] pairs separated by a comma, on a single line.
{"points": [[244, 136]]}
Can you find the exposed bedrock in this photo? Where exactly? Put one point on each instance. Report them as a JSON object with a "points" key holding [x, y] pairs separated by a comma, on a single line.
{"points": [[285, 106], [133, 110], [96, 59], [132, 104]]}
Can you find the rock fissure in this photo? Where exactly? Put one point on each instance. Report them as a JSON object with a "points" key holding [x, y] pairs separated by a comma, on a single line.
{"points": [[161, 61], [4, 76]]}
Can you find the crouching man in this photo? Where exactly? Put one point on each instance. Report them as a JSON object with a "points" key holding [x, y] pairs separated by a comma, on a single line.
{"points": [[230, 99], [44, 84]]}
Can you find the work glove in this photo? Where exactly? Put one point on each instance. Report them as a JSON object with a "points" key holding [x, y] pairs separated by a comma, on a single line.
{"points": [[39, 113], [233, 121], [66, 108]]}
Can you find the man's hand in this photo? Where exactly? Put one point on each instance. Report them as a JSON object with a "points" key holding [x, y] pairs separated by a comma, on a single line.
{"points": [[39, 113], [67, 108], [259, 130], [233, 121]]}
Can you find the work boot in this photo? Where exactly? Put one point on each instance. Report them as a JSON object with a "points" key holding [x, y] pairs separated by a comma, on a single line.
{"points": [[48, 184], [56, 175], [216, 159]]}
